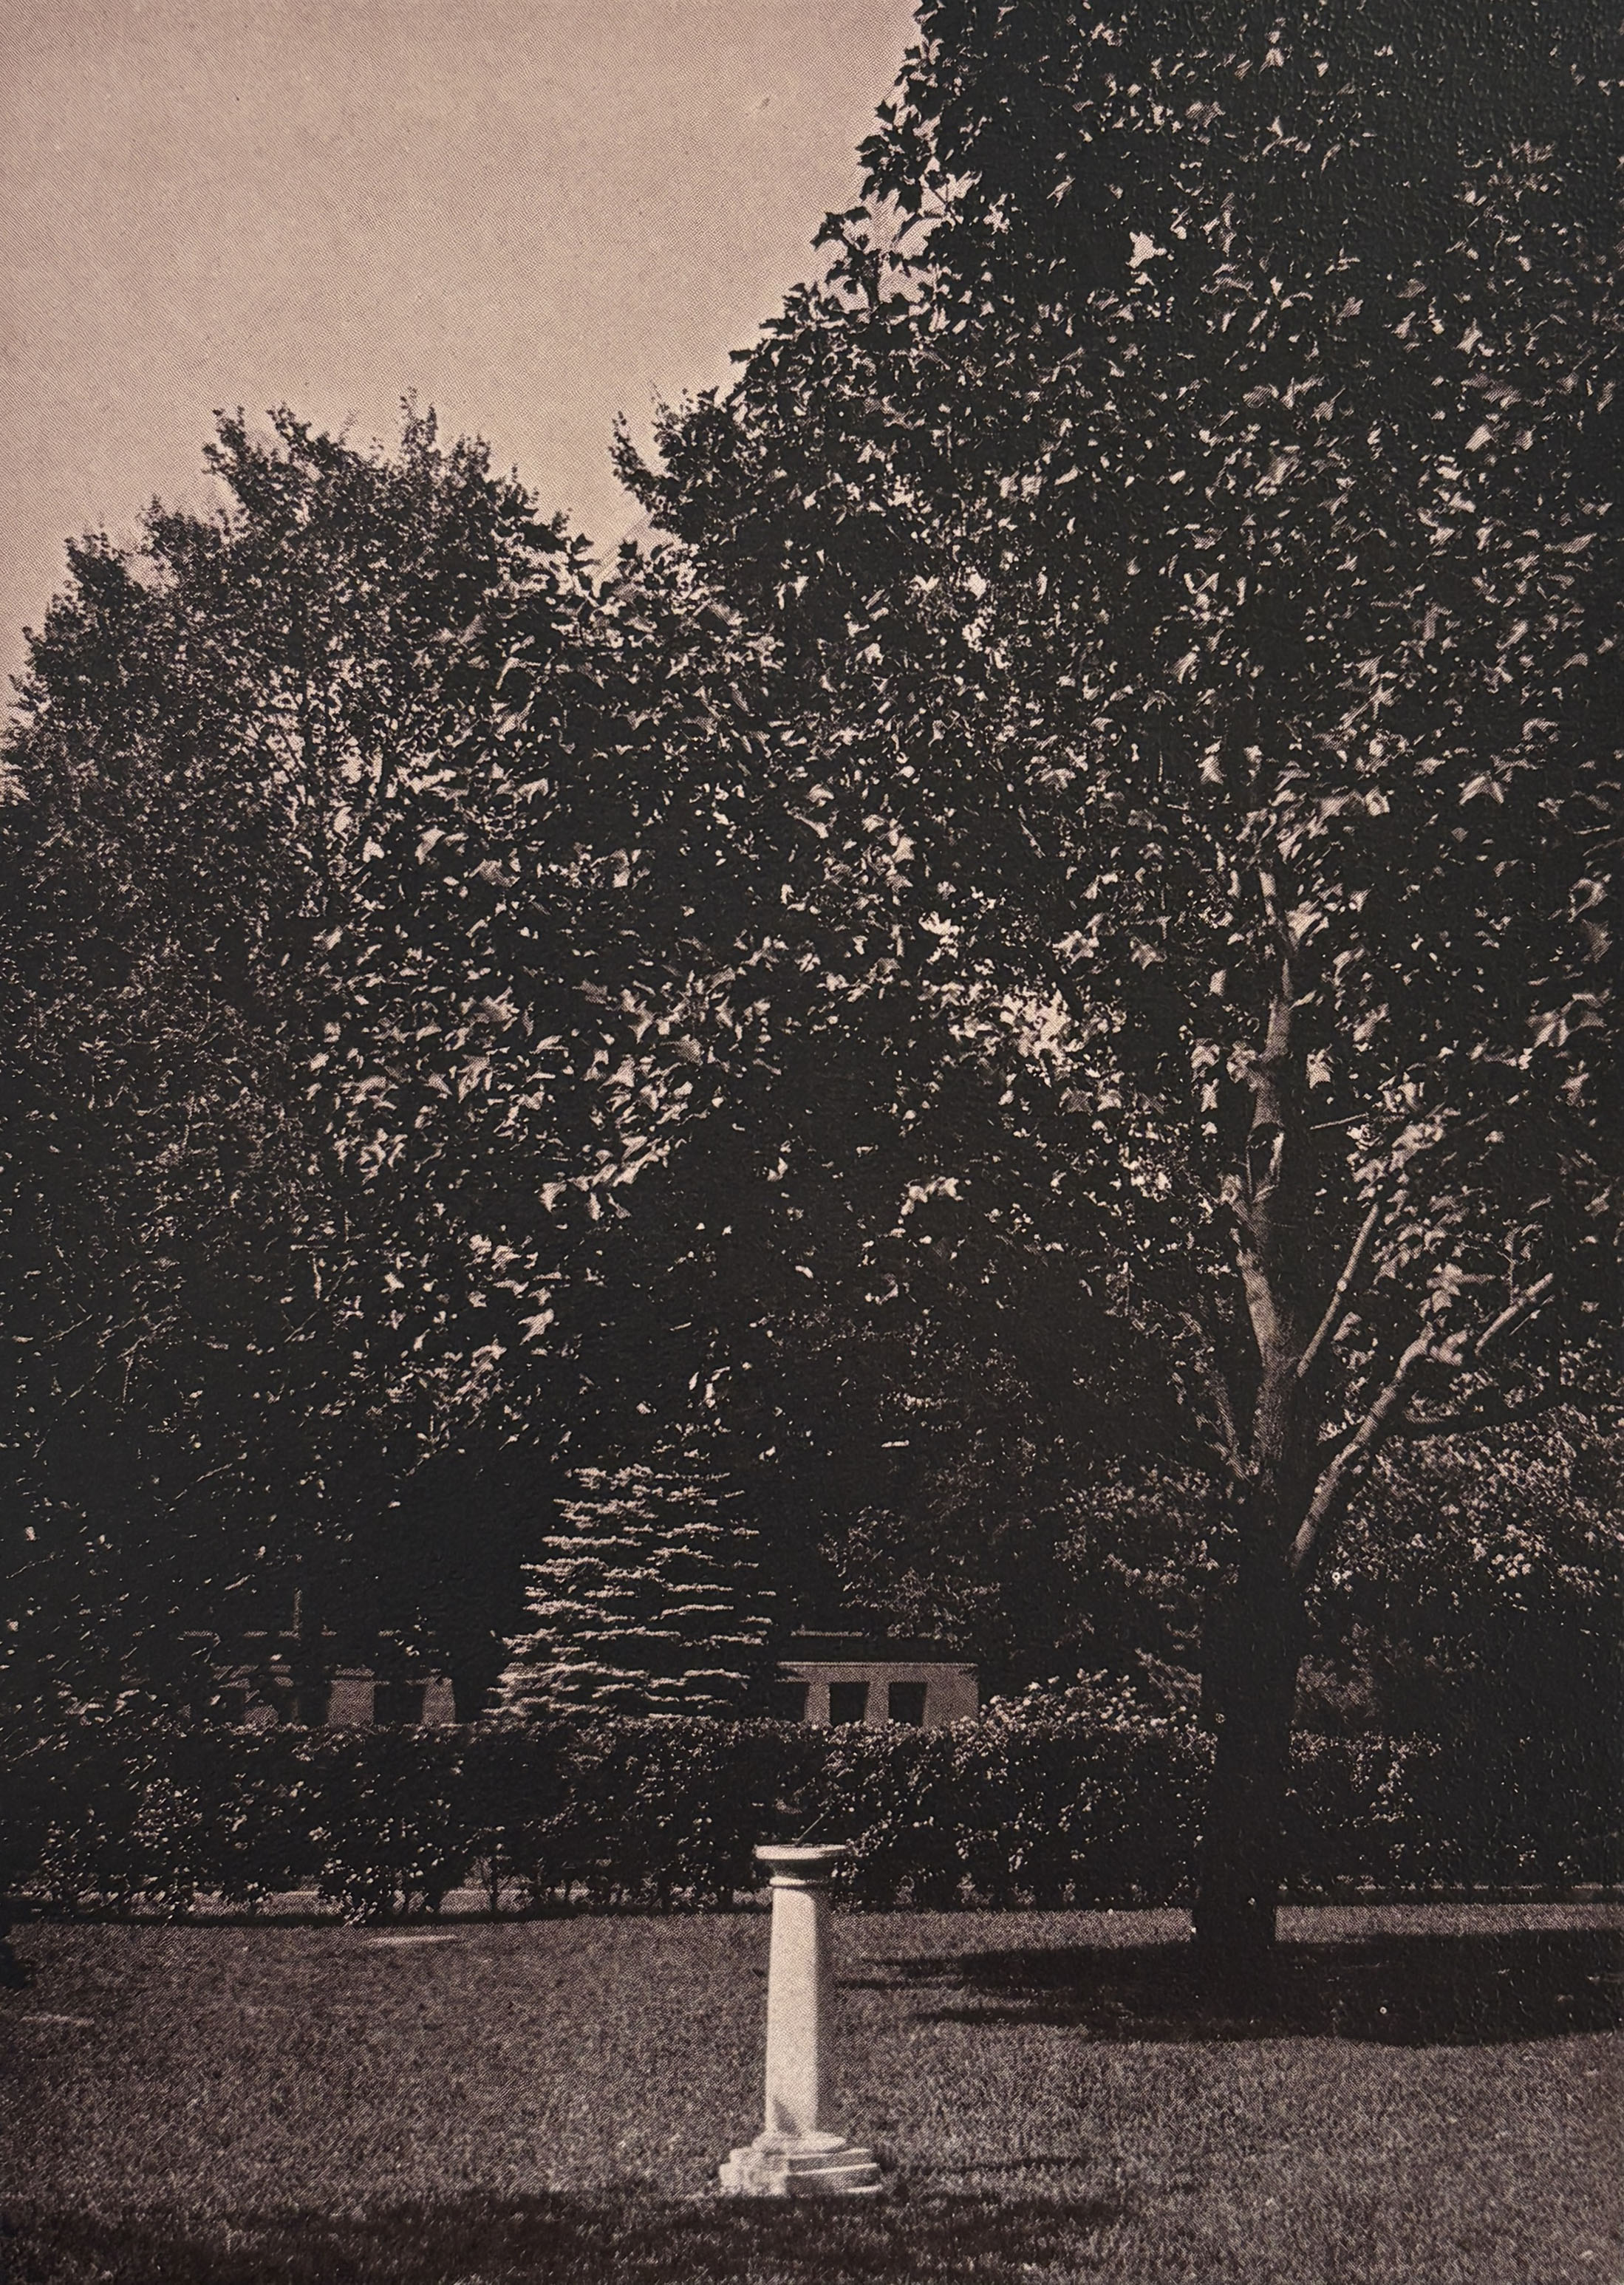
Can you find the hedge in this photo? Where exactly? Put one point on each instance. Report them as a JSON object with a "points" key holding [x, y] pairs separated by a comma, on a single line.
{"points": [[1034, 1803]]}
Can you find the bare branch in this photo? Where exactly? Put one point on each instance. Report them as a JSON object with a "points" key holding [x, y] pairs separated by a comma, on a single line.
{"points": [[1386, 1416], [224, 1469], [1513, 1314], [1329, 1322], [1336, 1486]]}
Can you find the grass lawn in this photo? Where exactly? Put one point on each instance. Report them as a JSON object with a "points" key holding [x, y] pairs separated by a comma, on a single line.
{"points": [[1433, 2094]]}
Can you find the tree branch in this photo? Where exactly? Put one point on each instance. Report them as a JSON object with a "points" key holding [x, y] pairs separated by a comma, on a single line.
{"points": [[1514, 1312], [1386, 1416], [1372, 1432], [1486, 1415], [223, 1468], [1217, 1388], [1329, 1322], [1269, 890]]}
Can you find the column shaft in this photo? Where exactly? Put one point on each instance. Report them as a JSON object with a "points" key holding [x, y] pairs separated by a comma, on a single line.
{"points": [[795, 1982]]}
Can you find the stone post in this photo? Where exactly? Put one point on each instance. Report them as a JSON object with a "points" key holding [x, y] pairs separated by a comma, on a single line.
{"points": [[794, 2156]]}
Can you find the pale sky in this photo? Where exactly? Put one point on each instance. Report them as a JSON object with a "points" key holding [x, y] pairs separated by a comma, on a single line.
{"points": [[533, 213]]}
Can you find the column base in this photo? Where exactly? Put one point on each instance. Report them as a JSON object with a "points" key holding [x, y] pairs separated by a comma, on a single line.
{"points": [[799, 2166]]}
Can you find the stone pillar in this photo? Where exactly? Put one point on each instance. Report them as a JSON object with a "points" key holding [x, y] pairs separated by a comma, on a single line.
{"points": [[794, 2156]]}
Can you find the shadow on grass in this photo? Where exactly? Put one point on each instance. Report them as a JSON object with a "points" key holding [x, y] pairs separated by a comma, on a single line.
{"points": [[1396, 1991], [614, 2239]]}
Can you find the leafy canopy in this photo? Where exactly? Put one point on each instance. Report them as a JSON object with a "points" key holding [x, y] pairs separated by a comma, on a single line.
{"points": [[1182, 509], [325, 1017]]}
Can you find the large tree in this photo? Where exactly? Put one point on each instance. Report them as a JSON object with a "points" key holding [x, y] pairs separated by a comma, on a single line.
{"points": [[1183, 515], [327, 1053]]}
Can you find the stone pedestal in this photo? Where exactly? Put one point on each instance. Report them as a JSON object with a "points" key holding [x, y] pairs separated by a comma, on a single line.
{"points": [[794, 2156]]}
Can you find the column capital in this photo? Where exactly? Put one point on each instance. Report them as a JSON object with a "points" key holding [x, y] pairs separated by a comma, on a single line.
{"points": [[800, 1865]]}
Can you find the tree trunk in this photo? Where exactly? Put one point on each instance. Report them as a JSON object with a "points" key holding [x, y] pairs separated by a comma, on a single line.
{"points": [[1256, 1625], [1255, 1636]]}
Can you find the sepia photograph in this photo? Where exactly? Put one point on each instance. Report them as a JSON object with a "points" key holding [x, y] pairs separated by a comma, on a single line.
{"points": [[812, 1143]]}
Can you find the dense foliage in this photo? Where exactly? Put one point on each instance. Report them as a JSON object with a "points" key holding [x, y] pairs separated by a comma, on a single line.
{"points": [[1088, 1796], [324, 1050]]}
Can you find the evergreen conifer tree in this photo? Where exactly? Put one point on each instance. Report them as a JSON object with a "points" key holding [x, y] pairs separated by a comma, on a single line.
{"points": [[648, 1600]]}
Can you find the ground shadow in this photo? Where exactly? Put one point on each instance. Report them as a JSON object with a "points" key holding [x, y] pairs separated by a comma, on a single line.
{"points": [[629, 2238], [1397, 1991]]}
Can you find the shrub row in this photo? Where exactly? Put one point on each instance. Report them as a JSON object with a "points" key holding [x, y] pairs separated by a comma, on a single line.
{"points": [[1033, 1803]]}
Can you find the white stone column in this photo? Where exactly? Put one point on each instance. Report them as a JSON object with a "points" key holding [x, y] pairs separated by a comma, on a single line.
{"points": [[795, 2155]]}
